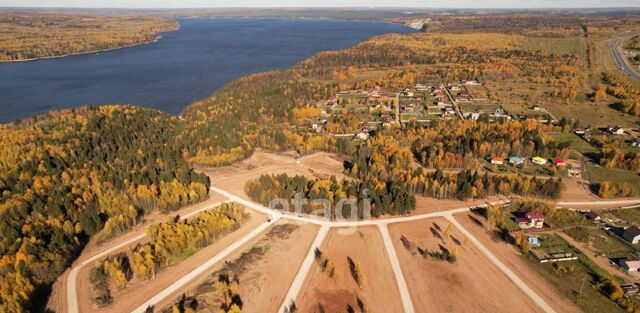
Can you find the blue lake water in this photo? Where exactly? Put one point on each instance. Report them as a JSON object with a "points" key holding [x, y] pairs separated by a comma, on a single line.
{"points": [[181, 67]]}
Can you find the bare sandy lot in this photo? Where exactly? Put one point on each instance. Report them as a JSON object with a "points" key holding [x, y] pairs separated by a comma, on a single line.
{"points": [[508, 255], [429, 205], [137, 292], [471, 284], [58, 298], [234, 177], [265, 267], [378, 293], [576, 189]]}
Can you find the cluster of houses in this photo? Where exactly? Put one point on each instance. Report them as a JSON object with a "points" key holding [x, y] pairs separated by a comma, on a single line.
{"points": [[632, 135], [514, 160], [630, 234]]}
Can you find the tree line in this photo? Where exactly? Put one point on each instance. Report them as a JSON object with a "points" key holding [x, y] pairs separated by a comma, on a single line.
{"points": [[68, 175], [168, 242]]}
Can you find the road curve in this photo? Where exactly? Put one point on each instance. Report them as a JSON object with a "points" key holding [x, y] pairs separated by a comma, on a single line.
{"points": [[502, 267], [619, 58], [72, 290]]}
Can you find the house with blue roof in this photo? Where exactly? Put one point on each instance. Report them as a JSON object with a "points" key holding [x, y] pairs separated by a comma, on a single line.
{"points": [[516, 160]]}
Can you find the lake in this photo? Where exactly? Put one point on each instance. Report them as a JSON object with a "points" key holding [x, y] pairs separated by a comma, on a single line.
{"points": [[181, 67]]}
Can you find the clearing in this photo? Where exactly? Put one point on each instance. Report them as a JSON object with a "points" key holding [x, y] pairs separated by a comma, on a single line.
{"points": [[471, 284], [363, 246]]}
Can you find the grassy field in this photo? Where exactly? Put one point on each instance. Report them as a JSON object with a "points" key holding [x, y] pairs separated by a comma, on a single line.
{"points": [[632, 215], [559, 45], [600, 242], [598, 174], [571, 277], [577, 143]]}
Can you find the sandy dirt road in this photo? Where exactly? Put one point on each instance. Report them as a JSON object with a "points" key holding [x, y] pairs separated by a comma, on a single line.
{"points": [[508, 255]]}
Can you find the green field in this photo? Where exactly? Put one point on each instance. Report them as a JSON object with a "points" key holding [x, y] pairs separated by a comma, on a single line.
{"points": [[560, 45], [600, 242], [577, 143], [631, 215], [598, 174], [571, 277]]}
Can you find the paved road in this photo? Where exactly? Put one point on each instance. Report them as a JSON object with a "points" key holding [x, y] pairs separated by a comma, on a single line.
{"points": [[614, 47], [297, 283], [506, 270], [397, 270], [72, 291]]}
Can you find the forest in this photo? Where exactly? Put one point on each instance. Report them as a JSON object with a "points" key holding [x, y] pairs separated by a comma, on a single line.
{"points": [[27, 36], [68, 175], [167, 243]]}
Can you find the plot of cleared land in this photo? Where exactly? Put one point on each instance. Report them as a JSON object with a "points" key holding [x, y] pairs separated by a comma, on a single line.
{"points": [[428, 205], [471, 284], [378, 292], [265, 268], [234, 177], [137, 292], [508, 255]]}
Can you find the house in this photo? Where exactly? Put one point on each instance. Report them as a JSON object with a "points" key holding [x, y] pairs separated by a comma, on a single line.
{"points": [[631, 234], [615, 130], [558, 162], [630, 289], [534, 241], [630, 265], [497, 160], [635, 142], [516, 160], [539, 160], [592, 216], [361, 135], [531, 220]]}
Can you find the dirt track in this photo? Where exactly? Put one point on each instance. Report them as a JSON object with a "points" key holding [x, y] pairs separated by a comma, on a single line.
{"points": [[507, 254], [379, 292], [471, 284]]}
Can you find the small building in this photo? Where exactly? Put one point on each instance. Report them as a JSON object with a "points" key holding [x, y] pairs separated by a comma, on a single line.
{"points": [[632, 234], [516, 160], [497, 160], [615, 130], [531, 220], [539, 160], [558, 162], [630, 289], [536, 107], [635, 142], [592, 216], [629, 265]]}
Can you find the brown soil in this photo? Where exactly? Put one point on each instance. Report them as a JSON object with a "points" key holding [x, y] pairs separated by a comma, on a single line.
{"points": [[234, 177], [428, 205], [471, 284], [137, 292], [576, 189], [379, 292], [265, 268], [508, 255]]}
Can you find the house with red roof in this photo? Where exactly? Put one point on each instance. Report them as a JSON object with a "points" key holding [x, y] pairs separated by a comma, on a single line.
{"points": [[531, 220], [558, 162]]}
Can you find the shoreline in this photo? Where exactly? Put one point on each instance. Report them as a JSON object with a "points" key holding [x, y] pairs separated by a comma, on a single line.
{"points": [[156, 39]]}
